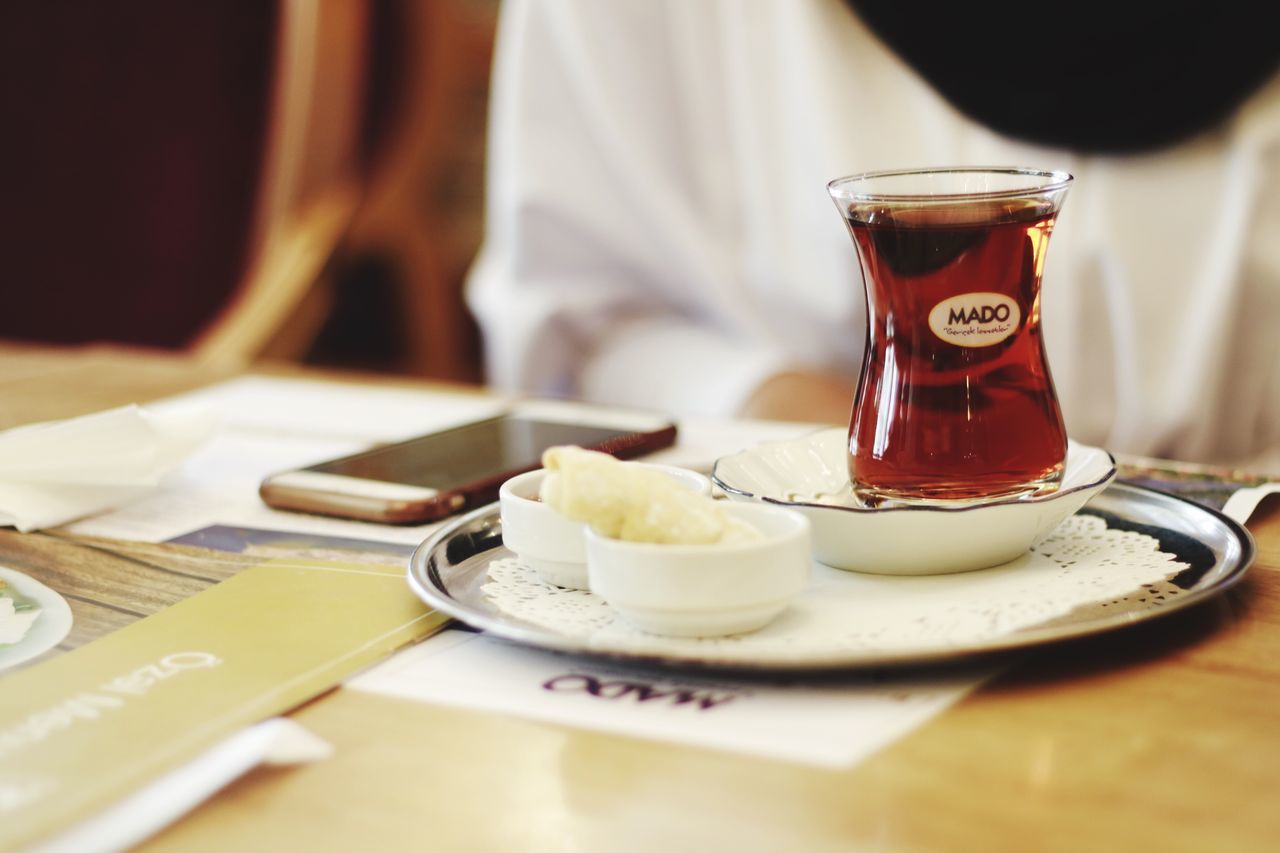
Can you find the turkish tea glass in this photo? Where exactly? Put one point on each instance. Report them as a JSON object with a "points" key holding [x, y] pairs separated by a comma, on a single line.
{"points": [[955, 403]]}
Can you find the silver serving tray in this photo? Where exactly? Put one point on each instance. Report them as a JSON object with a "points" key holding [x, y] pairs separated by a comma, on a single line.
{"points": [[448, 570]]}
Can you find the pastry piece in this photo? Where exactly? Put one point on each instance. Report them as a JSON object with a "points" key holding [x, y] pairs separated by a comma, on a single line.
{"points": [[627, 501]]}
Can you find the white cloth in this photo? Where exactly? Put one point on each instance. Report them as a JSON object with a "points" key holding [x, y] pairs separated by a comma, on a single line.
{"points": [[659, 231]]}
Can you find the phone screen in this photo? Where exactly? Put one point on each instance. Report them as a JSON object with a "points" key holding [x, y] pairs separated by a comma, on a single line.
{"points": [[456, 457]]}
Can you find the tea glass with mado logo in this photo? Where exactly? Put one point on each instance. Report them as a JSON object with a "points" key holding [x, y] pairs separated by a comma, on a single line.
{"points": [[955, 404]]}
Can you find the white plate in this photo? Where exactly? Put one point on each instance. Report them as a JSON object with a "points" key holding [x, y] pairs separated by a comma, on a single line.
{"points": [[810, 474], [51, 626]]}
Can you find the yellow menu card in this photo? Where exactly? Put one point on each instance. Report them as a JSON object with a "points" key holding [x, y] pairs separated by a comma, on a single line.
{"points": [[87, 728]]}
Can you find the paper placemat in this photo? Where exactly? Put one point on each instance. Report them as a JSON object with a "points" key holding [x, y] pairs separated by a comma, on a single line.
{"points": [[832, 723]]}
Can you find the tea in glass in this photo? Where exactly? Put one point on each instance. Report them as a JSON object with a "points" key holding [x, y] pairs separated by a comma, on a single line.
{"points": [[955, 401]]}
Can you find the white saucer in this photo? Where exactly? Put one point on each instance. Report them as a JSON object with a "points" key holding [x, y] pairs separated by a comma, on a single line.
{"points": [[810, 475], [50, 627]]}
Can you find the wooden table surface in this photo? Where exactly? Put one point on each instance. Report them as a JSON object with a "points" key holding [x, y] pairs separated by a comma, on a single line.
{"points": [[1161, 736]]}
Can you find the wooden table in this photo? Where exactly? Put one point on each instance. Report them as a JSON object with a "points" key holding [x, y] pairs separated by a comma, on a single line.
{"points": [[1162, 736]]}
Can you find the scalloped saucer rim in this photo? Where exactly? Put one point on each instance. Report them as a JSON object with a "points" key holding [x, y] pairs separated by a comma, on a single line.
{"points": [[1101, 479]]}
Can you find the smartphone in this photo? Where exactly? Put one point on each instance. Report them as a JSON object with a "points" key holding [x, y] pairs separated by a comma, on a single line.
{"points": [[427, 478]]}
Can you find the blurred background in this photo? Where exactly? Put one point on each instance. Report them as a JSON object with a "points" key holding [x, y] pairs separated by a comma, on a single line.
{"points": [[245, 179]]}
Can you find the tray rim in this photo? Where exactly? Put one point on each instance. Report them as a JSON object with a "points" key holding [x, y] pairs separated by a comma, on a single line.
{"points": [[418, 574]]}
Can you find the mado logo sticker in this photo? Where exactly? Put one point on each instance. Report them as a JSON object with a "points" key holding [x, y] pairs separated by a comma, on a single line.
{"points": [[975, 319]]}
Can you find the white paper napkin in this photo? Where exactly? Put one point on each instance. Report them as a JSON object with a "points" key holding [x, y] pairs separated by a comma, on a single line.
{"points": [[54, 472], [1240, 506], [279, 741]]}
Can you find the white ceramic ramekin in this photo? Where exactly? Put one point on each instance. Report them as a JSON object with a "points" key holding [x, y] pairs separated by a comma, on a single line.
{"points": [[705, 590], [552, 545]]}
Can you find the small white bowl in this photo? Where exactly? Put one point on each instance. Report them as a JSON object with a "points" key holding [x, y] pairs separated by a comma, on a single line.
{"points": [[810, 475], [552, 545], [705, 590]]}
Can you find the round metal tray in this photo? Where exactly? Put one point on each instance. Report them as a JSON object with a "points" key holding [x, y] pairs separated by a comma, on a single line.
{"points": [[448, 570]]}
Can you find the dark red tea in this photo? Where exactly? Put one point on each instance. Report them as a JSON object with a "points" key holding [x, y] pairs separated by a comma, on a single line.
{"points": [[955, 399]]}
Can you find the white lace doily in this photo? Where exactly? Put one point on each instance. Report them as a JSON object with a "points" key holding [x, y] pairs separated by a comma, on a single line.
{"points": [[1081, 563]]}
